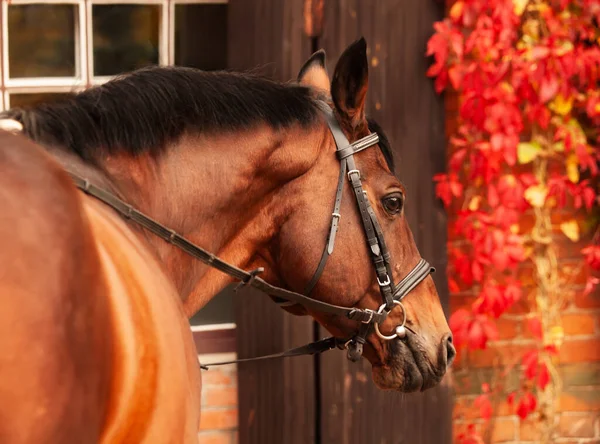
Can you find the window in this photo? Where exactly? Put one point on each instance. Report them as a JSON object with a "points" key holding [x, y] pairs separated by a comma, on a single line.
{"points": [[51, 48], [55, 47]]}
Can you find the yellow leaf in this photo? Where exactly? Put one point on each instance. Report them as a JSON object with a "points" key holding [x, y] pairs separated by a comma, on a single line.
{"points": [[531, 29], [573, 168], [519, 6], [558, 146], [557, 335], [561, 106], [564, 48], [474, 203], [527, 151], [536, 195], [457, 10], [570, 229], [576, 131]]}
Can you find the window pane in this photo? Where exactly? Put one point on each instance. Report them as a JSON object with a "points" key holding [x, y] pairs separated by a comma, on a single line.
{"points": [[218, 311], [41, 40], [25, 100], [125, 37], [201, 36]]}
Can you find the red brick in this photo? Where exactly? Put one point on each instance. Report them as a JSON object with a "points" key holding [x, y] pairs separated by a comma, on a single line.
{"points": [[458, 429], [220, 396], [591, 300], [576, 426], [216, 437], [219, 419], [505, 353], [508, 328], [461, 301], [216, 377], [580, 401], [580, 351], [528, 430], [464, 409], [571, 271], [504, 429], [578, 324]]}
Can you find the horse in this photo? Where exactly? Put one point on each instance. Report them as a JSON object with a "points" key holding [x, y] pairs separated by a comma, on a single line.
{"points": [[241, 170]]}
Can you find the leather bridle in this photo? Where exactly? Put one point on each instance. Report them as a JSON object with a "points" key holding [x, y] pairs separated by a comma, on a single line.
{"points": [[392, 294], [380, 255]]}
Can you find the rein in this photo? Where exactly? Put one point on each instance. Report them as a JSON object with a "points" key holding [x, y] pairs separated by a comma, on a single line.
{"points": [[380, 256]]}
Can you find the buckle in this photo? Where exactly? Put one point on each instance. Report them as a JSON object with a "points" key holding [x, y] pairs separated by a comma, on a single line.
{"points": [[371, 314], [336, 215], [248, 281], [386, 282], [351, 172]]}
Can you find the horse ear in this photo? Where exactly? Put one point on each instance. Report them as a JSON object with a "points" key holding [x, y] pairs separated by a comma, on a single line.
{"points": [[350, 84], [314, 72]]}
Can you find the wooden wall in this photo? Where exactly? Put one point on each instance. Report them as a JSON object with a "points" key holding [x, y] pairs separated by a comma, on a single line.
{"points": [[331, 400]]}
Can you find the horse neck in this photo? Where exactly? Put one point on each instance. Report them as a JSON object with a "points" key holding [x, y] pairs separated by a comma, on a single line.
{"points": [[226, 193]]}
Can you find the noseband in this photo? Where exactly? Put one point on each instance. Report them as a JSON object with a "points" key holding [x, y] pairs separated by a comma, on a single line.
{"points": [[391, 294]]}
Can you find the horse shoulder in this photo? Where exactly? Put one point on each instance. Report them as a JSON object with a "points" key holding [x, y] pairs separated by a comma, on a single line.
{"points": [[155, 361], [56, 355]]}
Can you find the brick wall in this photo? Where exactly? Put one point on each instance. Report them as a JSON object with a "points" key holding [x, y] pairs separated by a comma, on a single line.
{"points": [[219, 419], [579, 358]]}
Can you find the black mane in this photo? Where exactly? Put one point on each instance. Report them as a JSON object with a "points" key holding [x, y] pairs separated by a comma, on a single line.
{"points": [[146, 110]]}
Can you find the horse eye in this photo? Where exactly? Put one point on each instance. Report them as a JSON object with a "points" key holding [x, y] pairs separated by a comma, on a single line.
{"points": [[393, 203]]}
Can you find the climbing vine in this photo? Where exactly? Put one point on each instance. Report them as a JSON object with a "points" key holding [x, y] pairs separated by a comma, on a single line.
{"points": [[523, 165]]}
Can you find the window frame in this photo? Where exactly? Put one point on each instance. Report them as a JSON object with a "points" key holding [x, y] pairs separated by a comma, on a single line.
{"points": [[84, 60], [209, 338]]}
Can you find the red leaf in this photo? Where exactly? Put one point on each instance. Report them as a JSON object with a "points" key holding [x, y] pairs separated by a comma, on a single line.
{"points": [[544, 376], [535, 327], [485, 406], [455, 73], [493, 198], [540, 52], [511, 398], [590, 285], [548, 88], [527, 404], [589, 196], [476, 336], [453, 286], [530, 362], [592, 256], [457, 159]]}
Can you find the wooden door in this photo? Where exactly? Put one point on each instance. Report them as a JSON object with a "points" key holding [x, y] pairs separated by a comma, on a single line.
{"points": [[329, 399]]}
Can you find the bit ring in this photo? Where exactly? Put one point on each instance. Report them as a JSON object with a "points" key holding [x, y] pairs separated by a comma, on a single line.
{"points": [[395, 335]]}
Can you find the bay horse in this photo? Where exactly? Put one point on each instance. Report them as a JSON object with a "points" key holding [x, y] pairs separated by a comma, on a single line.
{"points": [[94, 308]]}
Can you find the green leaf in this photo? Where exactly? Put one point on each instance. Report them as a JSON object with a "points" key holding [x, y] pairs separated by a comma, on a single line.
{"points": [[528, 151]]}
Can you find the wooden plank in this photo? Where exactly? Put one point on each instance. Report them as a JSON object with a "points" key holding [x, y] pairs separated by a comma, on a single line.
{"points": [[276, 398], [403, 101]]}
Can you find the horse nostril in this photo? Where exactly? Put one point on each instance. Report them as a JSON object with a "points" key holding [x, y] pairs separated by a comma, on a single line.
{"points": [[450, 350]]}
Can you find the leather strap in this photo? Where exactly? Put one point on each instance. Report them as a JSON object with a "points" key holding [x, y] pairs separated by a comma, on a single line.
{"points": [[127, 211], [335, 220], [359, 145], [414, 278], [308, 349]]}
